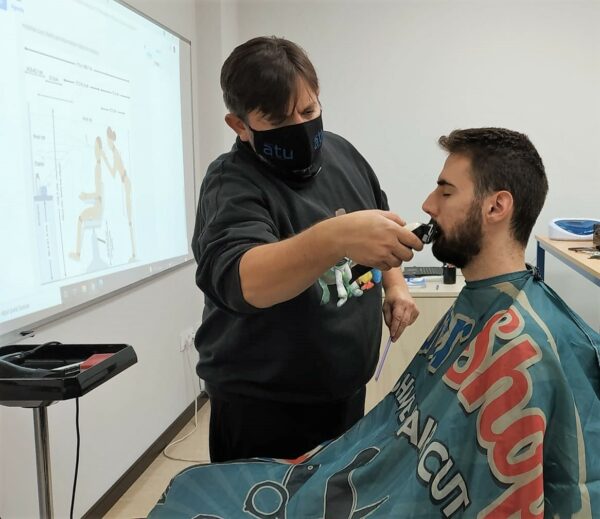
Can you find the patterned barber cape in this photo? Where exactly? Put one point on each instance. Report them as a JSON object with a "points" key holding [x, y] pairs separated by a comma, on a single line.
{"points": [[498, 415]]}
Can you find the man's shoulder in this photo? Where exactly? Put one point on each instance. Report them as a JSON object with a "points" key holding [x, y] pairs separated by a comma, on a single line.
{"points": [[236, 158], [552, 310], [335, 141], [236, 165], [338, 150]]}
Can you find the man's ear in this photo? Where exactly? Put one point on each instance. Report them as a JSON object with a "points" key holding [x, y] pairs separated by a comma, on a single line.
{"points": [[499, 207], [238, 126]]}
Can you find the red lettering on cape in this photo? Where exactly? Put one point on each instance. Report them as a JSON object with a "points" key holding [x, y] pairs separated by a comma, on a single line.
{"points": [[519, 502], [511, 434]]}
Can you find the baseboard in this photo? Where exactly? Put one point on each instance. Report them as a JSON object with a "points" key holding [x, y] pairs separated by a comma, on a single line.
{"points": [[114, 493]]}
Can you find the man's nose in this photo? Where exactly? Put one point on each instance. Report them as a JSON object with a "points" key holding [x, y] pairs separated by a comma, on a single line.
{"points": [[297, 118], [428, 206]]}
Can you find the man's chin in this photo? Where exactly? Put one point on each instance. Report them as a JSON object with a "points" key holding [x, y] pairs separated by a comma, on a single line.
{"points": [[452, 257]]}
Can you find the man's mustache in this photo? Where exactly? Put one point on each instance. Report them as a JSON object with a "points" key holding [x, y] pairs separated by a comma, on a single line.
{"points": [[433, 232]]}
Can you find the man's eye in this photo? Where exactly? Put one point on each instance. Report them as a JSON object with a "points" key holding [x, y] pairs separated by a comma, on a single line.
{"points": [[277, 121], [445, 194]]}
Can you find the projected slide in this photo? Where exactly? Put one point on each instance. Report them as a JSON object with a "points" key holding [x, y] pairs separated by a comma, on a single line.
{"points": [[92, 180]]}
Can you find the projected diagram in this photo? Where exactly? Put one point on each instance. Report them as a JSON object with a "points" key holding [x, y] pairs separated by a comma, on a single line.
{"points": [[83, 209], [82, 190], [118, 167], [91, 218]]}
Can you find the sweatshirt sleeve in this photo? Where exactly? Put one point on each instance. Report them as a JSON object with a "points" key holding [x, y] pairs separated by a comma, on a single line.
{"points": [[233, 216]]}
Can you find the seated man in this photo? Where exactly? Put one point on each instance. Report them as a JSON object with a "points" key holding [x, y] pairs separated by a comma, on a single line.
{"points": [[498, 415]]}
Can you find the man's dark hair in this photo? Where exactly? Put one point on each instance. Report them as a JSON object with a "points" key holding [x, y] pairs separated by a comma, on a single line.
{"points": [[504, 160], [262, 74]]}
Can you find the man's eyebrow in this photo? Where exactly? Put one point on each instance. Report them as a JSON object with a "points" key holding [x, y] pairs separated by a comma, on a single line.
{"points": [[278, 119], [442, 182]]}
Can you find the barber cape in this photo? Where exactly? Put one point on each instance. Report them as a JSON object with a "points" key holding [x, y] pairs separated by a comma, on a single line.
{"points": [[498, 415]]}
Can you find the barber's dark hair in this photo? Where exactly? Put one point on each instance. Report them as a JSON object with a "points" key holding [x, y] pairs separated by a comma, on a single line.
{"points": [[504, 160], [262, 74]]}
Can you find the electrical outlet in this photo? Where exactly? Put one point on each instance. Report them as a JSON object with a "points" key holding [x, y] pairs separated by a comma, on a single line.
{"points": [[186, 339], [182, 340], [190, 338]]}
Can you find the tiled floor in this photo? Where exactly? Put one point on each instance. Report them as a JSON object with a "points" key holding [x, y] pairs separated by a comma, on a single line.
{"points": [[145, 492]]}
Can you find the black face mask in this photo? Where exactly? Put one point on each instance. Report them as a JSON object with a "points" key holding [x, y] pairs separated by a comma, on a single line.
{"points": [[295, 149]]}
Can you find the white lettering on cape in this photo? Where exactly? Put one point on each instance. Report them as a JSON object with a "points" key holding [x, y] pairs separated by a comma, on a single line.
{"points": [[435, 463]]}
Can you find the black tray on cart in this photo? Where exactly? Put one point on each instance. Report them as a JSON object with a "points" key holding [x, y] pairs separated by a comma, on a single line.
{"points": [[27, 389]]}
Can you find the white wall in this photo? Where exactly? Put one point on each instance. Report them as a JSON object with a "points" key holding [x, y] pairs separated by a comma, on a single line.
{"points": [[120, 419], [395, 75]]}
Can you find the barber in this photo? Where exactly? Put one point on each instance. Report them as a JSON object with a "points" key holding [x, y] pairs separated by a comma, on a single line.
{"points": [[288, 340]]}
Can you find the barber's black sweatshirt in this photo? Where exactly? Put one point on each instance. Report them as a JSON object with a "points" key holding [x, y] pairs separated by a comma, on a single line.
{"points": [[299, 350]]}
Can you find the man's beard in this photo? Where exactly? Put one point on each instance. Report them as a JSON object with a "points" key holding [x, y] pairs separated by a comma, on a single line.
{"points": [[465, 243]]}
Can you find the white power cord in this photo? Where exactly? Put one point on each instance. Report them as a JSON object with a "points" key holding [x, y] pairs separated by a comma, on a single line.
{"points": [[175, 442]]}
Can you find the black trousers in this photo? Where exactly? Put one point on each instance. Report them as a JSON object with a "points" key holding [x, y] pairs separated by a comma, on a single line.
{"points": [[257, 428]]}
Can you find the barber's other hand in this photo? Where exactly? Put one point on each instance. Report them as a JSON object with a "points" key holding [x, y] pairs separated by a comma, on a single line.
{"points": [[399, 310], [374, 238]]}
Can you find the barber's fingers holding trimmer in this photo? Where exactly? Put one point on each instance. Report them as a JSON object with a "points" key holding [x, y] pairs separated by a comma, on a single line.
{"points": [[375, 238]]}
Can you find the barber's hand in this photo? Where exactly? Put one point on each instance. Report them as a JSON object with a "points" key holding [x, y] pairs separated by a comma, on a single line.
{"points": [[399, 310], [375, 238]]}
